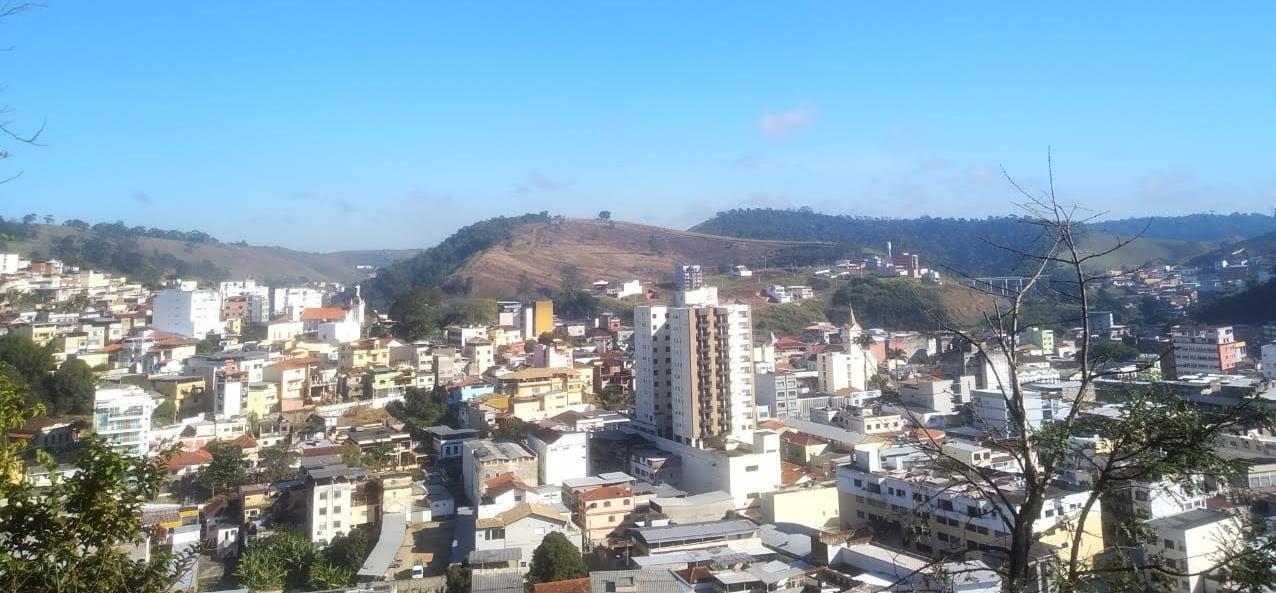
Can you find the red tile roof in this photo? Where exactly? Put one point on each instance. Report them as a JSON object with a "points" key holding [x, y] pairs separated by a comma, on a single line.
{"points": [[188, 458], [606, 492], [504, 483], [580, 585], [787, 343], [323, 314]]}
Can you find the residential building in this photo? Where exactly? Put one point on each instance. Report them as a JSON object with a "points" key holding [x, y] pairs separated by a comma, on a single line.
{"points": [[1041, 338], [9, 263], [292, 301], [261, 399], [602, 512], [993, 414], [693, 372], [1192, 543], [447, 442], [560, 455], [482, 460], [122, 418], [543, 318], [189, 313], [778, 392], [331, 498], [1206, 349], [688, 277], [814, 505], [522, 528], [694, 536], [885, 483], [930, 393]]}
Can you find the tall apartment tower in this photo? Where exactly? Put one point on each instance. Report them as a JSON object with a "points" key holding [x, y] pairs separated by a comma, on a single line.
{"points": [[693, 372], [688, 277]]}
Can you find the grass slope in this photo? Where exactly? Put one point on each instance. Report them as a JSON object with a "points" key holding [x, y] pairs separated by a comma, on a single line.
{"points": [[242, 261]]}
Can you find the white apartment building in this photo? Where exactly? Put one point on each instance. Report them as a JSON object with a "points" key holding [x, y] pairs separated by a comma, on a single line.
{"points": [[331, 500], [993, 415], [560, 455], [257, 296], [693, 372], [189, 313], [1206, 349], [834, 371], [1192, 542], [122, 418], [291, 301], [9, 263]]}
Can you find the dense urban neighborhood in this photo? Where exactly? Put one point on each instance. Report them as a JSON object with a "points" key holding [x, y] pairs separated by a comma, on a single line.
{"points": [[636, 434]]}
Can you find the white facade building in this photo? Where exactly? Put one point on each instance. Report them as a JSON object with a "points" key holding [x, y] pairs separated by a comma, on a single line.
{"points": [[291, 301], [1193, 543], [560, 455], [834, 371], [993, 415], [189, 313], [257, 296], [9, 263], [122, 418]]}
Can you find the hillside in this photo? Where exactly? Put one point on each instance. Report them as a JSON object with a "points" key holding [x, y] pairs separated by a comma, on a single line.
{"points": [[538, 253], [1203, 228], [209, 260], [968, 245], [1256, 304]]}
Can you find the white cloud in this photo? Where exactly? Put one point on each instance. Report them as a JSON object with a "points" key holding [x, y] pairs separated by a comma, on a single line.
{"points": [[777, 124]]}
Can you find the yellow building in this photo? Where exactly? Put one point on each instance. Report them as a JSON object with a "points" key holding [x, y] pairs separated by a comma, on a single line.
{"points": [[261, 399], [542, 318], [361, 355], [185, 391], [537, 380], [813, 505]]}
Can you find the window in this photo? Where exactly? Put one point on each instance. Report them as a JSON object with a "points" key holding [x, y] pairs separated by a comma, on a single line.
{"points": [[606, 503], [751, 468], [336, 524], [1169, 544], [323, 510], [494, 533], [611, 518]]}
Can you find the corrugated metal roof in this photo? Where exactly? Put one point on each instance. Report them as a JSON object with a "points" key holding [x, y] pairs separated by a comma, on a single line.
{"points": [[394, 526], [688, 531]]}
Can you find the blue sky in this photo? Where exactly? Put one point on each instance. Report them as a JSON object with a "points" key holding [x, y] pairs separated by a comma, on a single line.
{"points": [[327, 126]]}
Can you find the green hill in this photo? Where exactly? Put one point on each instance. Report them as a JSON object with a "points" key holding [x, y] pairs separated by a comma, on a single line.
{"points": [[148, 257]]}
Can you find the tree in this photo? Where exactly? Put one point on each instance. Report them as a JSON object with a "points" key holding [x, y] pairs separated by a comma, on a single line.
{"points": [[228, 469], [277, 463], [210, 344], [556, 559], [510, 428], [165, 414], [351, 455], [1109, 351], [458, 579], [282, 561], [1158, 437], [72, 535], [71, 388], [604, 215], [348, 551], [425, 408], [572, 279], [416, 313], [329, 576]]}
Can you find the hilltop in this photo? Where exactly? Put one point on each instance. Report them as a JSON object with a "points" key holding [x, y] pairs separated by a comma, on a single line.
{"points": [[529, 255], [967, 245], [148, 258]]}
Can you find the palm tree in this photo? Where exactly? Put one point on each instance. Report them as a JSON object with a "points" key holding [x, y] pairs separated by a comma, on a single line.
{"points": [[865, 341]]}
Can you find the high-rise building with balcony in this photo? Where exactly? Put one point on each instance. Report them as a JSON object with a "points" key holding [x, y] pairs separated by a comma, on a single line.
{"points": [[122, 418], [693, 372]]}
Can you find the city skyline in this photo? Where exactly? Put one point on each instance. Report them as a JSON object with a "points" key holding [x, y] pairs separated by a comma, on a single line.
{"points": [[449, 115]]}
